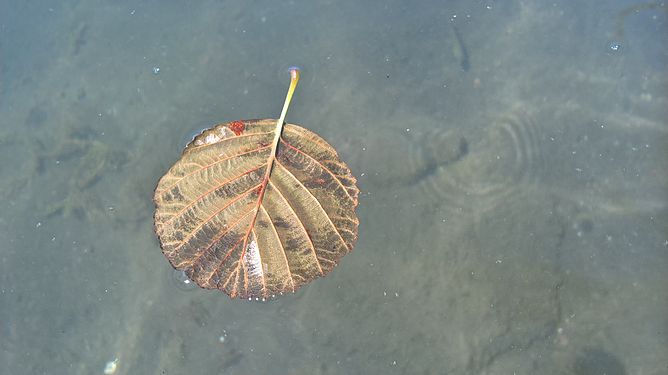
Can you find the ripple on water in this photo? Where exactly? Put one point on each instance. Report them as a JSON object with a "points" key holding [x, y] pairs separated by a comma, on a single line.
{"points": [[492, 165]]}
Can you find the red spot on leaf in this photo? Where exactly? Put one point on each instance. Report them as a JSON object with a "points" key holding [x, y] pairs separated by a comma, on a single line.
{"points": [[237, 127]]}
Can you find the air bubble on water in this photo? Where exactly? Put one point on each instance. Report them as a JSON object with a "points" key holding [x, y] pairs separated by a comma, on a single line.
{"points": [[156, 69]]}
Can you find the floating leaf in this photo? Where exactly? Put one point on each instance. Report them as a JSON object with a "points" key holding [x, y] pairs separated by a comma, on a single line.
{"points": [[256, 208]]}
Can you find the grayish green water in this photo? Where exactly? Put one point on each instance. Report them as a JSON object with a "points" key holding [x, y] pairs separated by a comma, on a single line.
{"points": [[512, 161]]}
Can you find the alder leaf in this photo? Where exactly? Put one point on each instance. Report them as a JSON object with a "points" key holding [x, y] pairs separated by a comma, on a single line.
{"points": [[256, 208]]}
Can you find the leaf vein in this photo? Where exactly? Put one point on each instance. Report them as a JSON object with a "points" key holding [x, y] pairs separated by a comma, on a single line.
{"points": [[278, 162], [335, 176], [205, 167], [287, 202], [207, 220], [216, 187]]}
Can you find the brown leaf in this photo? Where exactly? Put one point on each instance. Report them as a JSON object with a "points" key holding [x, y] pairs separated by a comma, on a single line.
{"points": [[232, 225]]}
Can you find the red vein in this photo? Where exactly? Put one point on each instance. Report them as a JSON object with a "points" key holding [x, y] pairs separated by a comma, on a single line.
{"points": [[215, 241], [229, 252], [287, 202], [285, 255], [317, 201], [203, 168], [227, 280], [234, 291], [271, 159], [335, 176], [201, 197], [220, 264], [207, 220]]}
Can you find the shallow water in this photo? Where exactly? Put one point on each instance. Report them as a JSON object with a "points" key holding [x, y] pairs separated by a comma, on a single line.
{"points": [[514, 207]]}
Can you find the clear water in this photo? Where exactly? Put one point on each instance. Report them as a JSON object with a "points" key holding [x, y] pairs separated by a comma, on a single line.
{"points": [[511, 154]]}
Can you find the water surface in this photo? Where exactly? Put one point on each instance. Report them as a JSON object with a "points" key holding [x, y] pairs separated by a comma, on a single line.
{"points": [[511, 157]]}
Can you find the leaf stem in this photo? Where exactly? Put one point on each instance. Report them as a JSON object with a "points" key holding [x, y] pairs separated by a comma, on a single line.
{"points": [[294, 78]]}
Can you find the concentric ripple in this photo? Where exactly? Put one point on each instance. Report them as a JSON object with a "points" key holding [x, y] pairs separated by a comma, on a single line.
{"points": [[495, 164]]}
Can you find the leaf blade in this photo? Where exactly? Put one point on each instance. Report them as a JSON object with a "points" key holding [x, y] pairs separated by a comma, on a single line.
{"points": [[233, 225]]}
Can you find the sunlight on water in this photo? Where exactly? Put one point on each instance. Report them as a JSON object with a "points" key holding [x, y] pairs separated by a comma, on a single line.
{"points": [[509, 156]]}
